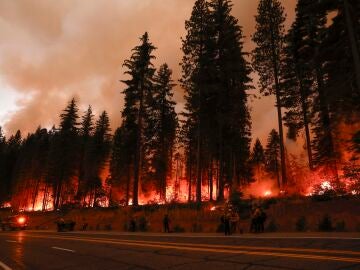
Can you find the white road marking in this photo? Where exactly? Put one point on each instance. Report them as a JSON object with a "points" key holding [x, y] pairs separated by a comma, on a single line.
{"points": [[64, 249], [11, 241], [4, 266]]}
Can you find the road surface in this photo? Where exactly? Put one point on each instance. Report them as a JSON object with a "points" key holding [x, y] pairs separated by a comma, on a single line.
{"points": [[94, 250]]}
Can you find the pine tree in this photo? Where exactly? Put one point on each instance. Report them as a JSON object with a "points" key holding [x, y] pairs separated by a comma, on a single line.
{"points": [[196, 65], [323, 144], [139, 87], [64, 156], [164, 124], [121, 162], [2, 166], [257, 154], [85, 133], [215, 77], [96, 156], [272, 155], [297, 76], [267, 58], [231, 81], [12, 151], [257, 158]]}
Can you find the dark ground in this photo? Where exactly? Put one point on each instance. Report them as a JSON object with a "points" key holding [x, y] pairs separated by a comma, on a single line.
{"points": [[92, 250]]}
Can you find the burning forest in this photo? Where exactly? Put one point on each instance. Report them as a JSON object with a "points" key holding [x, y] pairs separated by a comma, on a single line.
{"points": [[208, 151]]}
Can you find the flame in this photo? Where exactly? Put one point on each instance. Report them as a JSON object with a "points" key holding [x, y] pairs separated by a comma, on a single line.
{"points": [[6, 205], [267, 193], [21, 220]]}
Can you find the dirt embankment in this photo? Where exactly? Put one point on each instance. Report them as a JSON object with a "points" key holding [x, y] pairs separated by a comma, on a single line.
{"points": [[283, 215]]}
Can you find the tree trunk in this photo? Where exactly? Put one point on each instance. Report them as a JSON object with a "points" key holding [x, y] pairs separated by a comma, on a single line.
{"points": [[198, 168], [211, 185], [128, 181], [326, 122], [137, 164], [198, 154], [190, 173], [275, 62], [36, 192], [281, 132], [353, 42], [220, 195], [304, 108]]}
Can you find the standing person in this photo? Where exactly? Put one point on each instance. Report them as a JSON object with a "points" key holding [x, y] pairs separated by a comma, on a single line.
{"points": [[253, 221], [262, 219], [257, 218], [166, 223], [132, 224]]}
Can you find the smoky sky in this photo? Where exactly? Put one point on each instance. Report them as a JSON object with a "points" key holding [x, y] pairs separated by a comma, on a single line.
{"points": [[51, 51]]}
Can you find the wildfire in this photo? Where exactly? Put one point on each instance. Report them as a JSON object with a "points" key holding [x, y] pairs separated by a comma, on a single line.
{"points": [[267, 193], [6, 205], [326, 185]]}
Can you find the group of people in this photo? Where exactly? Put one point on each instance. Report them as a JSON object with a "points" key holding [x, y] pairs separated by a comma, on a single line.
{"points": [[230, 221], [133, 226], [258, 218]]}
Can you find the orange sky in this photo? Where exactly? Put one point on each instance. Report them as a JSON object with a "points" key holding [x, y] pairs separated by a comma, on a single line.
{"points": [[51, 51]]}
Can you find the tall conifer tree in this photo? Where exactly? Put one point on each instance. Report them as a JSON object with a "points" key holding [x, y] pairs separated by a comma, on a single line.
{"points": [[268, 56]]}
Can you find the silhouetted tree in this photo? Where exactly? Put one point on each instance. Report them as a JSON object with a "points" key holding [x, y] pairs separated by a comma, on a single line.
{"points": [[96, 156], [267, 58], [257, 159], [63, 164], [139, 86], [297, 76], [85, 133], [164, 123], [272, 155]]}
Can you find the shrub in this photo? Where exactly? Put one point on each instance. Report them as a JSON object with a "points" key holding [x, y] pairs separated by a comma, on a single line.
{"points": [[178, 229], [301, 224], [197, 227], [220, 228], [340, 226], [272, 226], [108, 227], [325, 224]]}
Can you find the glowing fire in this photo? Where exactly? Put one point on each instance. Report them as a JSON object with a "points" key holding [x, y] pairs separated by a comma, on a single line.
{"points": [[213, 208], [6, 205], [326, 185], [21, 220], [267, 193]]}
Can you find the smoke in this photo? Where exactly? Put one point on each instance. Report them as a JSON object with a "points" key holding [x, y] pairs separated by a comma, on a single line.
{"points": [[52, 51]]}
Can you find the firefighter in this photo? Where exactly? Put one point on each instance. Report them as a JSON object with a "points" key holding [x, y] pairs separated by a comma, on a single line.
{"points": [[166, 223], [60, 225], [255, 218], [262, 219]]}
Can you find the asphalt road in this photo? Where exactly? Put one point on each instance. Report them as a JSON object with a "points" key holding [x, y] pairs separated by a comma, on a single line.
{"points": [[50, 250]]}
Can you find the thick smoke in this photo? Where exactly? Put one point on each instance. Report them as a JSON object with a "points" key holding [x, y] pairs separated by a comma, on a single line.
{"points": [[51, 51]]}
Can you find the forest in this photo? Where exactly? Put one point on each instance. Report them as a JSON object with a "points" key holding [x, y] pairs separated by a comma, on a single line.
{"points": [[208, 152]]}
